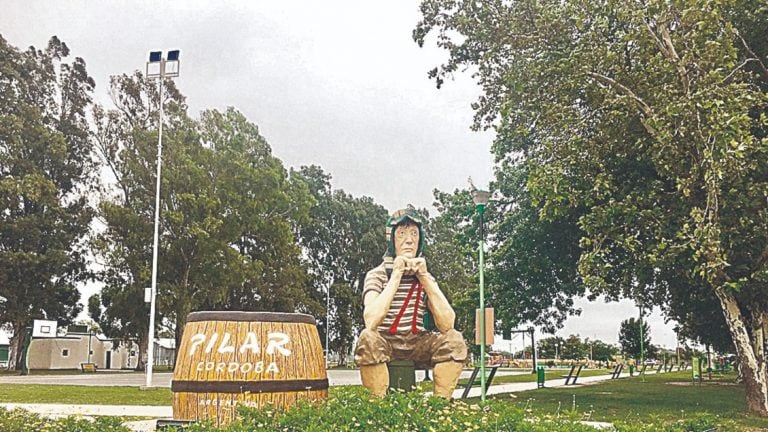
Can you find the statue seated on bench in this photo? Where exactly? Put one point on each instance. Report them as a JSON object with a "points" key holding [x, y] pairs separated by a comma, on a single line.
{"points": [[396, 295]]}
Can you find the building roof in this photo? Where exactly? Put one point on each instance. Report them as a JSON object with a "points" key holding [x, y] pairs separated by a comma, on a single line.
{"points": [[167, 343]]}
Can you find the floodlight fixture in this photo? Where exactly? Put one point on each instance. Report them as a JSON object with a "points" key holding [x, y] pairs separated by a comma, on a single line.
{"points": [[159, 67]]}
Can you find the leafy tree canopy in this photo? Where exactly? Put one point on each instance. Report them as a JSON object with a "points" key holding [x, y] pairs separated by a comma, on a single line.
{"points": [[645, 121], [46, 173], [634, 337], [230, 214]]}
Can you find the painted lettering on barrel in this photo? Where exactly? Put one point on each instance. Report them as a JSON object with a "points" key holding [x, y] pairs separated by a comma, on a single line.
{"points": [[276, 342], [258, 367]]}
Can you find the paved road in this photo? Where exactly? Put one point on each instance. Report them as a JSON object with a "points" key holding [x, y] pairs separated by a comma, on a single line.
{"points": [[336, 377]]}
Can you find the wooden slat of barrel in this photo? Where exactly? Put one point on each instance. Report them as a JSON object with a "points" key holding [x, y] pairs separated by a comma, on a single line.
{"points": [[204, 392]]}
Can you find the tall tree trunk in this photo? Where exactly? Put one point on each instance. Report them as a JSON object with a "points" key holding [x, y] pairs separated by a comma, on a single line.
{"points": [[758, 338], [181, 320], [752, 369], [17, 338], [142, 359], [16, 345], [183, 308], [342, 354]]}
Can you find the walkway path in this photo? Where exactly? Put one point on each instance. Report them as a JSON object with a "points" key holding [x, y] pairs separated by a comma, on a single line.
{"points": [[336, 377]]}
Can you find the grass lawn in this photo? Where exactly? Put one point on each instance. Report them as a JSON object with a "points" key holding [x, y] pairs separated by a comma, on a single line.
{"points": [[664, 397], [83, 395], [669, 396]]}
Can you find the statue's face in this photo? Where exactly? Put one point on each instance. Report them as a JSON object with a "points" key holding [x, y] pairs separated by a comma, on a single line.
{"points": [[406, 240]]}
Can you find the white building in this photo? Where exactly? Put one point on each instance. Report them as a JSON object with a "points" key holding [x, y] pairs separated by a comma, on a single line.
{"points": [[74, 348]]}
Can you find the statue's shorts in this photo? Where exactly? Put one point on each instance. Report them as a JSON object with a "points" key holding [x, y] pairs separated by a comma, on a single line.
{"points": [[425, 349]]}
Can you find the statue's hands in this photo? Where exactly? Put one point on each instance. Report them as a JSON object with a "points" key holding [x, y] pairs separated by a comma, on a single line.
{"points": [[419, 267], [415, 266], [399, 265]]}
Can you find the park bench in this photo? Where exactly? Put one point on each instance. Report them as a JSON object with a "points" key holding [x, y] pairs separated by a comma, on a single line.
{"points": [[617, 371], [88, 367], [572, 375], [473, 378]]}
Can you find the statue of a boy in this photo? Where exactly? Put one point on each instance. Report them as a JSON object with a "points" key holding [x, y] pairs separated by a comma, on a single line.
{"points": [[396, 295]]}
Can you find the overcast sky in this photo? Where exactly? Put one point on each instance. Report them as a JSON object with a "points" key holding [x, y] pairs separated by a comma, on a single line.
{"points": [[339, 84]]}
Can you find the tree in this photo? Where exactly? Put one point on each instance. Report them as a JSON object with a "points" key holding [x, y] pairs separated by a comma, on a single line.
{"points": [[649, 117], [630, 339], [533, 264], [573, 348], [46, 173], [229, 214], [344, 240], [531, 267], [601, 351], [126, 146], [451, 253], [697, 312], [549, 347]]}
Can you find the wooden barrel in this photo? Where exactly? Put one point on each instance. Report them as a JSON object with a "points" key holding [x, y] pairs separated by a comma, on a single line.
{"points": [[227, 359]]}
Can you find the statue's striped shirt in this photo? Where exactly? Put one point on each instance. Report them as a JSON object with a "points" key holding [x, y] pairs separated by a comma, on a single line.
{"points": [[377, 279]]}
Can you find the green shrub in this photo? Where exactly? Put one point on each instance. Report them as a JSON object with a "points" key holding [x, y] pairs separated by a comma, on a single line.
{"points": [[24, 421], [352, 409], [697, 423]]}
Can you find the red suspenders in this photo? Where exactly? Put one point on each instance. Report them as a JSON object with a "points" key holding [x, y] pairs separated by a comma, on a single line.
{"points": [[415, 286]]}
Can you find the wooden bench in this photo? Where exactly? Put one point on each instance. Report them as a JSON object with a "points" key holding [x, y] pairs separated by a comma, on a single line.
{"points": [[571, 375], [88, 367], [473, 378], [617, 371]]}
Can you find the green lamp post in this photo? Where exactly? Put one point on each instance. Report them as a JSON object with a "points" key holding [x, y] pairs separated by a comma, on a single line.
{"points": [[480, 198], [642, 353]]}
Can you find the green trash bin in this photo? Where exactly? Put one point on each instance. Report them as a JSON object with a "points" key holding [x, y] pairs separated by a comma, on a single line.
{"points": [[540, 377], [402, 375]]}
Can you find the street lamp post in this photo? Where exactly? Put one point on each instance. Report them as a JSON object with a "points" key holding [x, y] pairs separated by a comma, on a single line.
{"points": [[480, 198], [641, 335], [160, 68]]}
